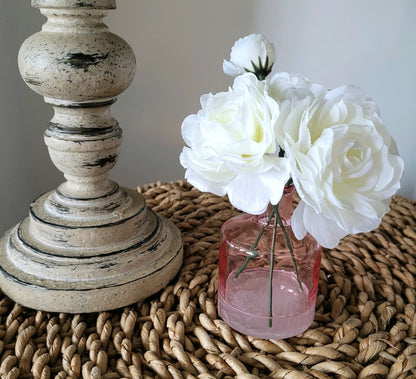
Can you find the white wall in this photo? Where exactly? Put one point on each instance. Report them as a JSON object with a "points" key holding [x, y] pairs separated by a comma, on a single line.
{"points": [[179, 47]]}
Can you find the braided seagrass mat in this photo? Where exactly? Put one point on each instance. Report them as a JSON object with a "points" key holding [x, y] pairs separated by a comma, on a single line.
{"points": [[364, 327]]}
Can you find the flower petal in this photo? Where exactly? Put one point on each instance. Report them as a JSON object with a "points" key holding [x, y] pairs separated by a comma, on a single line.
{"points": [[298, 225], [231, 69], [246, 194], [325, 231], [275, 179], [204, 185]]}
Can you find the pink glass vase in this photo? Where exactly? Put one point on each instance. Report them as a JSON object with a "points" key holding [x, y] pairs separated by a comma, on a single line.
{"points": [[243, 302]]}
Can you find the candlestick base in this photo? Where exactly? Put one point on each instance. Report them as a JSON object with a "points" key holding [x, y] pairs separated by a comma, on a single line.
{"points": [[49, 263]]}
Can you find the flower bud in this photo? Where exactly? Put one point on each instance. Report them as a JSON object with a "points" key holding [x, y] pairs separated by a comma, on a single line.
{"points": [[253, 53]]}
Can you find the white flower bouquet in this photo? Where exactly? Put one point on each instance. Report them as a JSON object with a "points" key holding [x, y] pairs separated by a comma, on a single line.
{"points": [[268, 129]]}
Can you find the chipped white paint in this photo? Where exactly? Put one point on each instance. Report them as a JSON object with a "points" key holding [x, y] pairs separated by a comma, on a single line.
{"points": [[89, 245]]}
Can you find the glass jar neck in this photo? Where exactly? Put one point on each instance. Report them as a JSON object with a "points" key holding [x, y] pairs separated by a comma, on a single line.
{"points": [[284, 207]]}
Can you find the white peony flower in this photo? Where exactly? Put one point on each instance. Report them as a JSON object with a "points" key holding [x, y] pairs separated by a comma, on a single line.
{"points": [[232, 147], [253, 53], [345, 166]]}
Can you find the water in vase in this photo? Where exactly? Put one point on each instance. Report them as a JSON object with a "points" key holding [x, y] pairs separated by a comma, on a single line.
{"points": [[245, 304]]}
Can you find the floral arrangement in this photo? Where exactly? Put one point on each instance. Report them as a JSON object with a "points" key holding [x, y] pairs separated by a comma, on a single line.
{"points": [[269, 130]]}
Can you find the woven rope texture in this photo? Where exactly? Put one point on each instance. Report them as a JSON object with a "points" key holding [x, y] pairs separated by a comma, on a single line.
{"points": [[364, 327]]}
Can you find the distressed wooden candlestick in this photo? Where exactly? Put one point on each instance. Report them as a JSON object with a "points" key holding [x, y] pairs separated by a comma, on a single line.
{"points": [[89, 245]]}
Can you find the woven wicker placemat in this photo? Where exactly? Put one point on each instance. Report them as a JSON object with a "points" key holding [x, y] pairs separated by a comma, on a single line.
{"points": [[364, 327]]}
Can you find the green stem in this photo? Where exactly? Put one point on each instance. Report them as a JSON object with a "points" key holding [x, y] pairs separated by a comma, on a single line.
{"points": [[289, 245], [253, 251], [275, 211]]}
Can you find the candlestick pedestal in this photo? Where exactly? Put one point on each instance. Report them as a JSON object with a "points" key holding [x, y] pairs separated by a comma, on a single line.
{"points": [[89, 245]]}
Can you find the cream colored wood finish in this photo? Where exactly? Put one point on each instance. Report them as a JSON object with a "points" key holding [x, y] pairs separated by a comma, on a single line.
{"points": [[89, 245]]}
